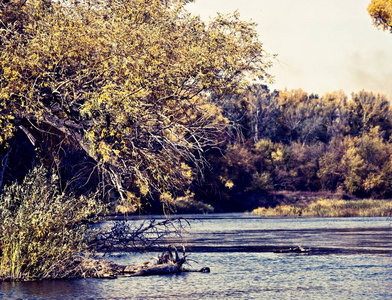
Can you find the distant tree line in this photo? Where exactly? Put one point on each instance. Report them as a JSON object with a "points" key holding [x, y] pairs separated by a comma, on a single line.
{"points": [[289, 140]]}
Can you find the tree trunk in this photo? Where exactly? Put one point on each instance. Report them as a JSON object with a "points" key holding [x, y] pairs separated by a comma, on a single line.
{"points": [[4, 163]]}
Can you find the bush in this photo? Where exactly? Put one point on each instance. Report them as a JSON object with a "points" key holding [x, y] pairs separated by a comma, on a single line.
{"points": [[331, 208], [42, 230]]}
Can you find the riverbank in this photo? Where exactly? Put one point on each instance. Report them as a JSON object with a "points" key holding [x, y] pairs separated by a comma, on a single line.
{"points": [[330, 208]]}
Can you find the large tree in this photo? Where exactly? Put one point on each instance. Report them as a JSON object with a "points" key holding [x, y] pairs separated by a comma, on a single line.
{"points": [[127, 82]]}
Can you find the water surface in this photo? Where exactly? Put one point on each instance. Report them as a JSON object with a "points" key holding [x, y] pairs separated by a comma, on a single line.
{"points": [[239, 251]]}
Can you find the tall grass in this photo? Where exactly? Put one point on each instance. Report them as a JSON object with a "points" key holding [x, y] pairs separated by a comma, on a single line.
{"points": [[331, 208], [41, 229]]}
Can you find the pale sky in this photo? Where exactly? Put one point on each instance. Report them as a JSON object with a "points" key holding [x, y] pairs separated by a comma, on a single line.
{"points": [[322, 45]]}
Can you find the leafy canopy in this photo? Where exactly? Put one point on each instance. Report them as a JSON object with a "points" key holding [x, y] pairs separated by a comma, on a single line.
{"points": [[129, 81]]}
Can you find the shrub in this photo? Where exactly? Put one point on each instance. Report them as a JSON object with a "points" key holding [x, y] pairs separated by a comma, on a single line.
{"points": [[331, 208], [42, 230]]}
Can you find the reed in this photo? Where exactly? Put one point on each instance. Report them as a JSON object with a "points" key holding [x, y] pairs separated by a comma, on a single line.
{"points": [[42, 230], [331, 208]]}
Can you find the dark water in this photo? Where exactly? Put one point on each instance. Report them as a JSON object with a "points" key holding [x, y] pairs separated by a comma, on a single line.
{"points": [[350, 259]]}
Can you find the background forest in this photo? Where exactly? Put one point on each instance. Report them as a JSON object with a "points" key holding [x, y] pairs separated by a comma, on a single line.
{"points": [[292, 141]]}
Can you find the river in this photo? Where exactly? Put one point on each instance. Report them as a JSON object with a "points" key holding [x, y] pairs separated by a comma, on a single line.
{"points": [[349, 258]]}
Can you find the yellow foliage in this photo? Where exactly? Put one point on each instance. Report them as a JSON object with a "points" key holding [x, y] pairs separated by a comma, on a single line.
{"points": [[292, 97], [186, 171], [277, 155], [354, 165], [135, 75], [229, 184], [331, 208], [129, 205], [143, 186], [381, 13], [264, 146], [166, 198]]}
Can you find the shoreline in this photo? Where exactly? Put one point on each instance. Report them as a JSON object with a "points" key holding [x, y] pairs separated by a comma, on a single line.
{"points": [[329, 208]]}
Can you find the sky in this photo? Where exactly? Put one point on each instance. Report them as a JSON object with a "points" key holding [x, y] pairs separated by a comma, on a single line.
{"points": [[322, 45]]}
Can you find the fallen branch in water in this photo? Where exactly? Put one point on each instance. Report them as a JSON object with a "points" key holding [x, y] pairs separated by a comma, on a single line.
{"points": [[127, 236], [169, 262]]}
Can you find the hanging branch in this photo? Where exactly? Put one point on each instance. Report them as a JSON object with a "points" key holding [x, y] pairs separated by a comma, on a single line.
{"points": [[127, 236]]}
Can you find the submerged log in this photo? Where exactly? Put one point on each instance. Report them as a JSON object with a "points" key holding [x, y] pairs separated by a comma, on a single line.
{"points": [[162, 269]]}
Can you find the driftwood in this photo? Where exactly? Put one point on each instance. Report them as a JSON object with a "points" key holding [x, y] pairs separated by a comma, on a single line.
{"points": [[168, 262]]}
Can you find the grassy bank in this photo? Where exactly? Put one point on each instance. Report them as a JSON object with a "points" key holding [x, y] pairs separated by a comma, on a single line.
{"points": [[331, 208]]}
